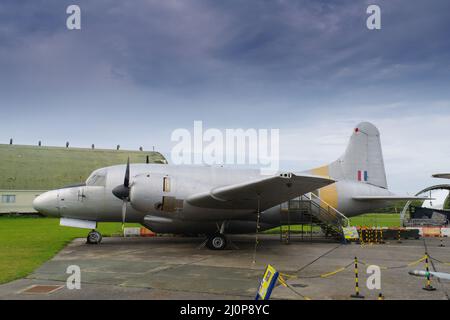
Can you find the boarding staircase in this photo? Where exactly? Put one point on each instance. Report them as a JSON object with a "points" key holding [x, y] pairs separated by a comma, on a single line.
{"points": [[312, 217]]}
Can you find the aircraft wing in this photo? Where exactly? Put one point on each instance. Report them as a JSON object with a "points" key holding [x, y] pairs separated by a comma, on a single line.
{"points": [[271, 191], [442, 175], [390, 198]]}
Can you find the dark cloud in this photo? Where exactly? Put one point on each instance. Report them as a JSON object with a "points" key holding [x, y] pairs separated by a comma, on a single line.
{"points": [[191, 45], [194, 56], [151, 66]]}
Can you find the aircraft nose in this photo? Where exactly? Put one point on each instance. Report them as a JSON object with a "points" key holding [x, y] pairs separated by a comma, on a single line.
{"points": [[46, 203]]}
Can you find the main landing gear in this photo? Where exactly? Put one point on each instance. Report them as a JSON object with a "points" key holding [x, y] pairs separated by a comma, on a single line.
{"points": [[217, 241], [94, 237]]}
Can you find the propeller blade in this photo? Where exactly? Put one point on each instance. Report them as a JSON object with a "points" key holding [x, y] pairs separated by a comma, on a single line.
{"points": [[126, 181], [124, 213], [123, 191]]}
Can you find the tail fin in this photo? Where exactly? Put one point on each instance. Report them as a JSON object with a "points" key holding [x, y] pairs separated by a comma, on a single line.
{"points": [[362, 161]]}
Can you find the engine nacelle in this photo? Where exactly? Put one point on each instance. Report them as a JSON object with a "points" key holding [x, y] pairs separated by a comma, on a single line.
{"points": [[146, 192]]}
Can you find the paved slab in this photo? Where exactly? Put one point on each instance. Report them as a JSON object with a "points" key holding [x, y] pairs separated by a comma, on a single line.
{"points": [[176, 268]]}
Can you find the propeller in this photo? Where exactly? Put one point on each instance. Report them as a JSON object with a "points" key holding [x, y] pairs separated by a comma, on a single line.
{"points": [[123, 192]]}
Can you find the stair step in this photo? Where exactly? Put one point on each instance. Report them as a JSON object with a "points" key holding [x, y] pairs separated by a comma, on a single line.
{"points": [[309, 210]]}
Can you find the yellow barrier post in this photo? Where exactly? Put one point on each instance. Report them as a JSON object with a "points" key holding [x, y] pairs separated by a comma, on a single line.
{"points": [[357, 294], [364, 231], [376, 235], [361, 235], [442, 241], [428, 286], [399, 236], [380, 296], [381, 236]]}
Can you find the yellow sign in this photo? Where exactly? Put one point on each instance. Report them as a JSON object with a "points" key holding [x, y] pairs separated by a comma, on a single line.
{"points": [[268, 282], [351, 233]]}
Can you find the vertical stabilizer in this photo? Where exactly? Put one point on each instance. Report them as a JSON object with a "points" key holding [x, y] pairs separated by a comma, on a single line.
{"points": [[363, 159]]}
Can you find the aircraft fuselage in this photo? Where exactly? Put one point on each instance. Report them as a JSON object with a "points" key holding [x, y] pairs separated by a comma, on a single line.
{"points": [[159, 193]]}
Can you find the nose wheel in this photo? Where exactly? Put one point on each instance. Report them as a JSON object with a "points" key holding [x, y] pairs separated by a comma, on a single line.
{"points": [[94, 237], [217, 242]]}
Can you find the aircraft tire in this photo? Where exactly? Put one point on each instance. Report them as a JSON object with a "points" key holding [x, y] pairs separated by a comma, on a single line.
{"points": [[94, 237], [217, 242]]}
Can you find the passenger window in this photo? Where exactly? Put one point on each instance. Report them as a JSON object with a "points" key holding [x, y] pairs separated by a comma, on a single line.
{"points": [[166, 184]]}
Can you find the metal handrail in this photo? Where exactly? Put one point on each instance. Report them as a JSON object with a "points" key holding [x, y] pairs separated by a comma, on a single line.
{"points": [[347, 220], [323, 214]]}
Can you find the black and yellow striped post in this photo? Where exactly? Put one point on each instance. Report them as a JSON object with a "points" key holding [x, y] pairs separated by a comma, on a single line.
{"points": [[361, 236], [376, 235], [442, 241], [399, 236], [381, 236], [428, 286], [357, 294], [380, 296]]}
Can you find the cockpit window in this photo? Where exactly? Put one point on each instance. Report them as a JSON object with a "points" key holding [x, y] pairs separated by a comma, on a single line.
{"points": [[97, 178]]}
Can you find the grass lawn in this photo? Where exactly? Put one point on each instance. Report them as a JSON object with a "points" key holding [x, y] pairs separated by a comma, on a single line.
{"points": [[368, 220], [377, 220], [27, 242]]}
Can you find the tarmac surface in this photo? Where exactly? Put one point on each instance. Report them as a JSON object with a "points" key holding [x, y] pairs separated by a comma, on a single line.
{"points": [[179, 268]]}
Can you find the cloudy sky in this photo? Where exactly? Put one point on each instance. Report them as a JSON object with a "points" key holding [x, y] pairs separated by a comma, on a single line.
{"points": [[139, 69]]}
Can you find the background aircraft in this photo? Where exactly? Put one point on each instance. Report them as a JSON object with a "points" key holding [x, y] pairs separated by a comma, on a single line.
{"points": [[442, 175], [215, 201]]}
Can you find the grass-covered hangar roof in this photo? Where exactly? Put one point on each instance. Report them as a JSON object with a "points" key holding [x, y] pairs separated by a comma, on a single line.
{"points": [[44, 168]]}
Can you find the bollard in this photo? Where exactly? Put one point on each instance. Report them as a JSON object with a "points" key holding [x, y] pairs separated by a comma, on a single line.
{"points": [[380, 296], [357, 294], [442, 242], [376, 235], [368, 235], [428, 287], [399, 236], [361, 236], [381, 236]]}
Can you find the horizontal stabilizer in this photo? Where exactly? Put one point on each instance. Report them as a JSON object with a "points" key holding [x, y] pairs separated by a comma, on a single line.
{"points": [[390, 198], [271, 191]]}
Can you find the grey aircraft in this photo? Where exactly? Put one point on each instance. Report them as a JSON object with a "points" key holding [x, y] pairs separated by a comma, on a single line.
{"points": [[216, 201]]}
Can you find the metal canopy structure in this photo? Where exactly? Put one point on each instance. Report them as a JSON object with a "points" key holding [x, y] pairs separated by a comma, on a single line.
{"points": [[437, 187], [403, 219]]}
